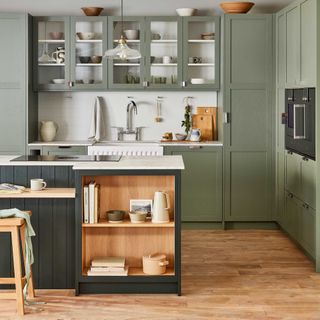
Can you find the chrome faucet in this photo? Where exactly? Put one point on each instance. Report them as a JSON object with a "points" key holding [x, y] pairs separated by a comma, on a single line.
{"points": [[130, 108]]}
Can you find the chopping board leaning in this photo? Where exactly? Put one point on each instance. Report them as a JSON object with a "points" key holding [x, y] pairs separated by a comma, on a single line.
{"points": [[206, 121]]}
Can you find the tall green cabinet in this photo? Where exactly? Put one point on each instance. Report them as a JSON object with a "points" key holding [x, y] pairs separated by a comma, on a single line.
{"points": [[248, 107], [18, 119]]}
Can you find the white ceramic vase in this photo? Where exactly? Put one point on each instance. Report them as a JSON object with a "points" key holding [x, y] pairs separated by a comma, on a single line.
{"points": [[48, 130]]}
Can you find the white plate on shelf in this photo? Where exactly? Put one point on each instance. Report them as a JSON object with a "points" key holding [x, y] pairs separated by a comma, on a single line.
{"points": [[197, 81]]}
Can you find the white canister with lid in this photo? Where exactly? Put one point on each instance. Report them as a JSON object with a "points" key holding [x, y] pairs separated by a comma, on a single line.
{"points": [[155, 264]]}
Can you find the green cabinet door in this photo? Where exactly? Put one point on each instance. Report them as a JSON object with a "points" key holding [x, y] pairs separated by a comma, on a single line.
{"points": [[64, 150], [13, 83], [308, 229], [280, 187], [293, 46], [308, 24], [248, 185], [201, 183], [308, 182], [281, 49], [292, 216], [293, 173]]}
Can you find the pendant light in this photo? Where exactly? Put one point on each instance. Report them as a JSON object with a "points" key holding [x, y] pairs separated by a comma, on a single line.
{"points": [[122, 50]]}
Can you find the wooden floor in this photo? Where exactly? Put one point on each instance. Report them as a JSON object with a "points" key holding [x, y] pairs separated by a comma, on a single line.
{"points": [[226, 275]]}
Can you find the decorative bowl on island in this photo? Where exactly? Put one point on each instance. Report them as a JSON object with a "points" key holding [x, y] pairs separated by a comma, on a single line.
{"points": [[180, 136]]}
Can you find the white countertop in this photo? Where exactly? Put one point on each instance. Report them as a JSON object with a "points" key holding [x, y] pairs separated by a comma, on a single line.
{"points": [[125, 163], [71, 143]]}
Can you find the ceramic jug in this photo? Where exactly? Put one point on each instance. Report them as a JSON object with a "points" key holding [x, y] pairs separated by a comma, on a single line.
{"points": [[195, 135], [48, 130], [161, 206], [59, 55]]}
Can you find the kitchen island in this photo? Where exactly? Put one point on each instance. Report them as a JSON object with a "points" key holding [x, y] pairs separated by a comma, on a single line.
{"points": [[63, 245]]}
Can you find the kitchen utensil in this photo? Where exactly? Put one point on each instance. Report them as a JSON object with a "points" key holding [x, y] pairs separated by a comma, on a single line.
{"points": [[154, 264], [186, 12], [85, 59], [115, 216], [86, 35], [92, 11], [96, 59], [37, 184], [195, 135], [161, 206], [48, 130], [59, 55], [138, 216], [56, 35], [206, 131], [236, 7], [131, 34], [158, 118], [58, 81], [180, 136]]}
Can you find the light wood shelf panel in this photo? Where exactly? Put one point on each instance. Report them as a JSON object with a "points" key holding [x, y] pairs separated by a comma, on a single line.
{"points": [[135, 272], [127, 224], [46, 193]]}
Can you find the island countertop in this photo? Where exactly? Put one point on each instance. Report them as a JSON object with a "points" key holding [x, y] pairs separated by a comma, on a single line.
{"points": [[126, 163]]}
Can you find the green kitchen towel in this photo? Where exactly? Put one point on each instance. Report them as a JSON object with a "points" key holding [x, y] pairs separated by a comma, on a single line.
{"points": [[29, 232]]}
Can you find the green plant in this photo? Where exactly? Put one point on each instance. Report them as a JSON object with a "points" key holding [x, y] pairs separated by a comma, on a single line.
{"points": [[186, 123]]}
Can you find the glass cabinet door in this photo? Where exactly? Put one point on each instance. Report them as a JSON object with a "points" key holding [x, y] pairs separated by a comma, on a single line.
{"points": [[126, 74], [88, 44], [201, 52], [52, 54], [164, 52]]}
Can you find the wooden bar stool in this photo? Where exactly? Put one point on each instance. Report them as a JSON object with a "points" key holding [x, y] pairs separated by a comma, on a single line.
{"points": [[16, 226]]}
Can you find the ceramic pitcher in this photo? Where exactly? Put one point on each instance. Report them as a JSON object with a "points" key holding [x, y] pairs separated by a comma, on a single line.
{"points": [[48, 130], [59, 55], [195, 135], [161, 206]]}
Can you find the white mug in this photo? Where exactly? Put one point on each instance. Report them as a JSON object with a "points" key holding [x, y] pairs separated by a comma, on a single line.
{"points": [[37, 184], [166, 59]]}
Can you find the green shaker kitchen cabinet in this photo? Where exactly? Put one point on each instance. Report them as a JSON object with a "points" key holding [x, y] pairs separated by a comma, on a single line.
{"points": [[201, 183], [308, 229], [17, 108], [204, 73], [55, 34], [248, 107], [300, 20], [293, 173], [291, 223]]}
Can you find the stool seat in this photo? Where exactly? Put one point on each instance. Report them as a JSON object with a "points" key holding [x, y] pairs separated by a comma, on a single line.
{"points": [[16, 227]]}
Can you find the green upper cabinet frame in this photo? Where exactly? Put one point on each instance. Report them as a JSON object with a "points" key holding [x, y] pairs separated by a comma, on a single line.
{"points": [[163, 55], [93, 74], [128, 74], [207, 68], [46, 70]]}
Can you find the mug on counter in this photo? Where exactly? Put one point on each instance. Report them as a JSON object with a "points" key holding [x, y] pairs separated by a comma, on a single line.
{"points": [[37, 184]]}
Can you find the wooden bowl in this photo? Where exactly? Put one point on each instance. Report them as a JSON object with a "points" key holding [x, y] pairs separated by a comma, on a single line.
{"points": [[92, 11], [236, 7]]}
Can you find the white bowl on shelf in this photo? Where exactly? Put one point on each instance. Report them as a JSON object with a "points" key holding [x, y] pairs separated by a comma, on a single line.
{"points": [[197, 81], [86, 35], [186, 12], [131, 34], [58, 81]]}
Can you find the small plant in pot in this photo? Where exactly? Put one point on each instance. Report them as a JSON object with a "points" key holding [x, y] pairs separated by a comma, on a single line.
{"points": [[186, 123]]}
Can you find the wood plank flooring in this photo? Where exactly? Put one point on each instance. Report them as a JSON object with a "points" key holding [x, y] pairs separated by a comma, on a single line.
{"points": [[226, 275]]}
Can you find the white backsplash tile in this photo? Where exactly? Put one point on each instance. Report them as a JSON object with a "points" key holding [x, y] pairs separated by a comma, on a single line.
{"points": [[72, 111]]}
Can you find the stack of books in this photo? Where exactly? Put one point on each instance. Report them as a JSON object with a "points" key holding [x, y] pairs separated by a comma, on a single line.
{"points": [[108, 266], [91, 202], [8, 188]]}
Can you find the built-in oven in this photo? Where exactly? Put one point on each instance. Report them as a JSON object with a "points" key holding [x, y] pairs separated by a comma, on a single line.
{"points": [[299, 119]]}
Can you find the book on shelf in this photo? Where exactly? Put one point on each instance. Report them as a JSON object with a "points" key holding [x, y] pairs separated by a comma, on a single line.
{"points": [[91, 201], [120, 272], [86, 204], [108, 262], [7, 188], [96, 203]]}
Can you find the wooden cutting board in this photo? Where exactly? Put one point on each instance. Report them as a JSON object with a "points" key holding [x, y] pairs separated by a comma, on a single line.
{"points": [[204, 122], [208, 128]]}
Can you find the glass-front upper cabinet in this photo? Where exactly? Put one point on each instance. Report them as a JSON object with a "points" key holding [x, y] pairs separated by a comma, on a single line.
{"points": [[163, 52], [124, 73], [51, 60], [88, 43], [201, 52]]}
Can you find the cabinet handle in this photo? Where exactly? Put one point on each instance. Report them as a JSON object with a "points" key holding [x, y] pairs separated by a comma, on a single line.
{"points": [[195, 147], [70, 84], [64, 147], [146, 84], [226, 116], [290, 195], [305, 159], [305, 206], [184, 83], [289, 152]]}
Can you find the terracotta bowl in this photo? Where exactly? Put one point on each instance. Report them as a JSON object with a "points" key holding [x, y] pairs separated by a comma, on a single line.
{"points": [[236, 7], [92, 11]]}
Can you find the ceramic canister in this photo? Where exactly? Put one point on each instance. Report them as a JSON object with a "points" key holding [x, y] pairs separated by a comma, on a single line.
{"points": [[48, 130]]}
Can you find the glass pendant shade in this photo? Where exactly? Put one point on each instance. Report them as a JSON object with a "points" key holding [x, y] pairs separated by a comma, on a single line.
{"points": [[122, 51]]}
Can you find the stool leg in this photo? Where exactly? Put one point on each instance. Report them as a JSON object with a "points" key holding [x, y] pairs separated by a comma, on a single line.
{"points": [[17, 269], [23, 243]]}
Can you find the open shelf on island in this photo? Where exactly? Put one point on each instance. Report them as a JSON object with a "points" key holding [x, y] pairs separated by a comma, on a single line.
{"points": [[128, 224], [45, 193], [135, 272]]}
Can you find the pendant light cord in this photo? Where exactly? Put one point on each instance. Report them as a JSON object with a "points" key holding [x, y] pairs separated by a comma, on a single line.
{"points": [[121, 17]]}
